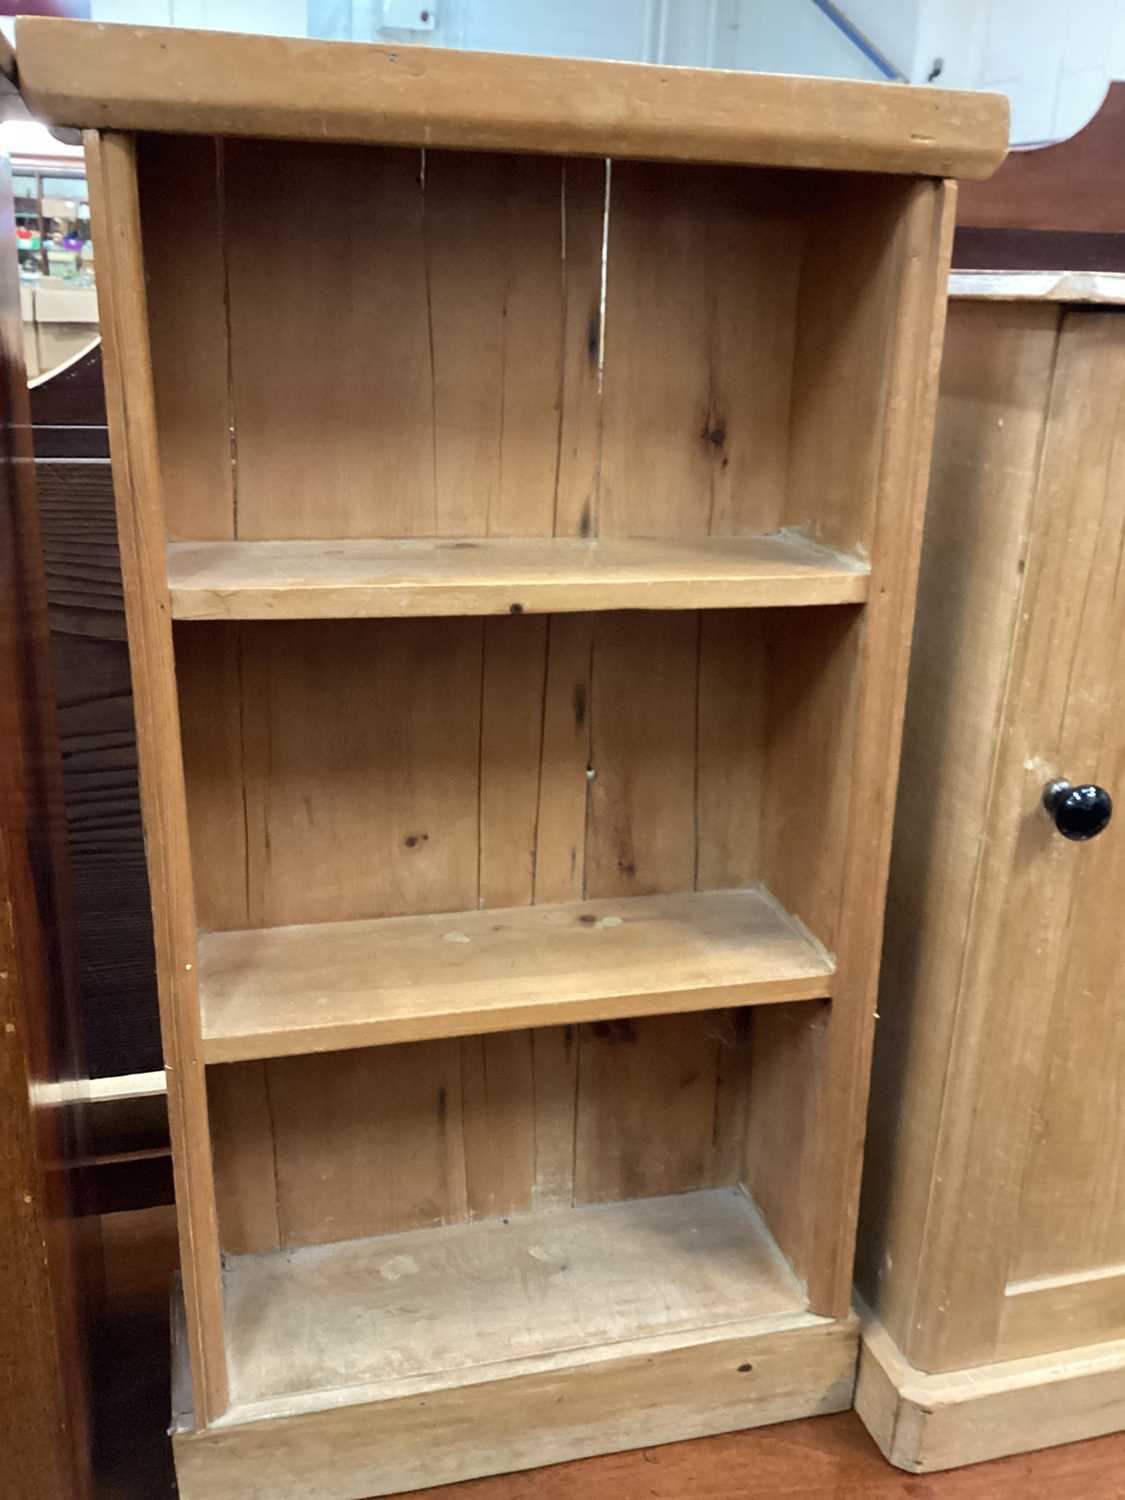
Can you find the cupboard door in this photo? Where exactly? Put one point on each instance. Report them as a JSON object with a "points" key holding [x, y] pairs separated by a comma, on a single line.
{"points": [[1025, 1218], [1066, 1270]]}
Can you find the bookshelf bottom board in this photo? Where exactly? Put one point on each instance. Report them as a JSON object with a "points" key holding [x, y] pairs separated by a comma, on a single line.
{"points": [[376, 1366], [435, 1306]]}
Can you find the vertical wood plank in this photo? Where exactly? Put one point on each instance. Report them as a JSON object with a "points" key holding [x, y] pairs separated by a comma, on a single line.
{"points": [[450, 404], [187, 307], [921, 262], [580, 421], [814, 666], [700, 312], [498, 1091], [554, 1051], [209, 679], [779, 1160], [995, 388], [362, 767], [498, 1101], [731, 770], [334, 434], [560, 856], [512, 690], [847, 334], [732, 1096], [111, 162], [244, 1153], [368, 1142], [646, 1106], [641, 835], [497, 310]]}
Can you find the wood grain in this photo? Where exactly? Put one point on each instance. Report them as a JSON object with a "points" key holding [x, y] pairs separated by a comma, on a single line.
{"points": [[457, 390], [1058, 708], [802, 1365], [841, 895], [696, 421], [772, 1462], [924, 1423], [97, 735], [547, 1290], [289, 990], [188, 311], [368, 1143], [995, 389], [132, 422], [360, 579], [138, 78]]}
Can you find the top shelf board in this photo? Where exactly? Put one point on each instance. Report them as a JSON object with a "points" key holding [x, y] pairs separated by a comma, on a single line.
{"points": [[79, 73], [362, 579]]}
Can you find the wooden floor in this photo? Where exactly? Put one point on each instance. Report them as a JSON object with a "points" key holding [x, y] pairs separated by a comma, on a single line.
{"points": [[829, 1458]]}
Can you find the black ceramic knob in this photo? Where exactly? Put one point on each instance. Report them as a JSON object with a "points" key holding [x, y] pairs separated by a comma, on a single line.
{"points": [[1079, 812]]}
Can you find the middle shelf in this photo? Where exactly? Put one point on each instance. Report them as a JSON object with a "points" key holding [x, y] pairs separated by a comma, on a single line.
{"points": [[393, 578], [283, 991]]}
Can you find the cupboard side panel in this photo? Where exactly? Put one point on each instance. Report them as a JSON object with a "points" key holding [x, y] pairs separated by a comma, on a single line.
{"points": [[1033, 902], [111, 162], [995, 387]]}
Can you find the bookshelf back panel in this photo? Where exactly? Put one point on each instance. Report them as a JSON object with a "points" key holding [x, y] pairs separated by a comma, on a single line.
{"points": [[341, 769], [356, 341], [311, 1150], [370, 768]]}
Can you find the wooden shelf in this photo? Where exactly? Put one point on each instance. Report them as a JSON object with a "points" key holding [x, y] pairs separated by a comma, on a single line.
{"points": [[488, 576], [276, 992], [430, 1309], [196, 82]]}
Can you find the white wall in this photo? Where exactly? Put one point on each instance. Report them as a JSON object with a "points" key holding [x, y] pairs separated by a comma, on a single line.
{"points": [[797, 39], [1054, 61], [269, 17], [792, 37]]}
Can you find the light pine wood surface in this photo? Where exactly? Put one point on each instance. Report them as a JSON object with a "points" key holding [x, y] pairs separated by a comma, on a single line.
{"points": [[468, 921], [277, 991], [141, 78], [324, 580], [548, 1291], [130, 406], [1005, 960], [928, 1423]]}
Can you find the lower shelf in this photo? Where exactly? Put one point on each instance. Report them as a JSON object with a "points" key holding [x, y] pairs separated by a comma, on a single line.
{"points": [[279, 991], [416, 1359], [370, 1319]]}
